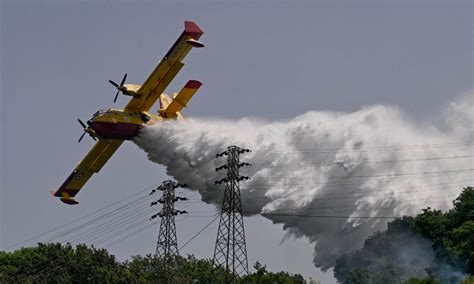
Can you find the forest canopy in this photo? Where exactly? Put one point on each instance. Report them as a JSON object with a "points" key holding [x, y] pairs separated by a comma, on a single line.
{"points": [[432, 245]]}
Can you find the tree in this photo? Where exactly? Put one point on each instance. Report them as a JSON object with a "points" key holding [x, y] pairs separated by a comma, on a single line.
{"points": [[61, 264], [428, 280], [57, 263], [262, 276], [433, 244]]}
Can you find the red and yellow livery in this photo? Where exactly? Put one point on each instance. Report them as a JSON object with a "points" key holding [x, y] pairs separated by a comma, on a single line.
{"points": [[112, 126]]}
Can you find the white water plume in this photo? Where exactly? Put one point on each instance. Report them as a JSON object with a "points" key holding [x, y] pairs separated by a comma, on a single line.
{"points": [[376, 162]]}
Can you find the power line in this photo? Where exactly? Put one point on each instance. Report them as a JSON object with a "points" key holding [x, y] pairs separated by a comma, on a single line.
{"points": [[311, 186], [114, 222], [387, 178], [345, 194], [396, 176], [316, 200], [335, 216], [118, 229], [335, 163], [335, 150], [78, 227], [126, 215], [123, 219], [127, 227], [331, 216], [124, 229], [347, 183], [200, 231], [317, 208], [328, 208], [326, 216], [355, 206], [370, 176], [77, 219], [148, 226], [381, 148], [349, 195]]}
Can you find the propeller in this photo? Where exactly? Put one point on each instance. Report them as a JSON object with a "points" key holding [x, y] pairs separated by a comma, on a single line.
{"points": [[85, 130], [80, 138], [119, 87]]}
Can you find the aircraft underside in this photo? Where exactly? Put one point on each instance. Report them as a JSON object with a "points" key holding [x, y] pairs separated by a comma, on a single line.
{"points": [[117, 130]]}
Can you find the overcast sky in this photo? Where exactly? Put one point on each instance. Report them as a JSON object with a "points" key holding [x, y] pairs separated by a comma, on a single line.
{"points": [[262, 59]]}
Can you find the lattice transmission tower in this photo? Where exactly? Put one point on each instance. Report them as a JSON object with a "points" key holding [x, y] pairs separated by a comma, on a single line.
{"points": [[167, 244], [230, 251]]}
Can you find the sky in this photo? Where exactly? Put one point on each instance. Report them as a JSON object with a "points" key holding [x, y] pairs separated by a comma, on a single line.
{"points": [[270, 60]]}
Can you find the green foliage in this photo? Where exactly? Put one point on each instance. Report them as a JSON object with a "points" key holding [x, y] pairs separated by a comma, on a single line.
{"points": [[463, 206], [56, 263], [193, 270], [431, 224], [427, 280], [144, 269], [468, 280], [262, 276], [381, 260], [60, 264], [440, 243]]}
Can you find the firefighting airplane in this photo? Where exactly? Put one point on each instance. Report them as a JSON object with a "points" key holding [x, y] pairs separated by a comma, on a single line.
{"points": [[112, 126]]}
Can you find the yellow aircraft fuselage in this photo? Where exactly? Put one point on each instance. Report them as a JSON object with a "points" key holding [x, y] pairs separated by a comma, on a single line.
{"points": [[125, 125], [119, 124]]}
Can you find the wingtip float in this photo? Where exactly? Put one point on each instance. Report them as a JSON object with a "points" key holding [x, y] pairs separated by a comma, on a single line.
{"points": [[113, 126]]}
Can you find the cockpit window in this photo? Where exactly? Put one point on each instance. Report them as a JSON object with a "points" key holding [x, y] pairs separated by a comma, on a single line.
{"points": [[102, 111]]}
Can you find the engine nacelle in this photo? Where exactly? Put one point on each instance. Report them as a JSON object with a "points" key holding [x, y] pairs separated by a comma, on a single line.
{"points": [[130, 90]]}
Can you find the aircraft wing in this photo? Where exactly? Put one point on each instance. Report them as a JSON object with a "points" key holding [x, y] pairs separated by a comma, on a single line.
{"points": [[182, 98], [92, 163], [166, 70]]}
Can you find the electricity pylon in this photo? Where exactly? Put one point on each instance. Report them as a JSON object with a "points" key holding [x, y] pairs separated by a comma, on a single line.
{"points": [[230, 251], [167, 244]]}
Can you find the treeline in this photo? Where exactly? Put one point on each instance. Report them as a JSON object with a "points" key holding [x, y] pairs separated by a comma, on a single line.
{"points": [[57, 263], [432, 247]]}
